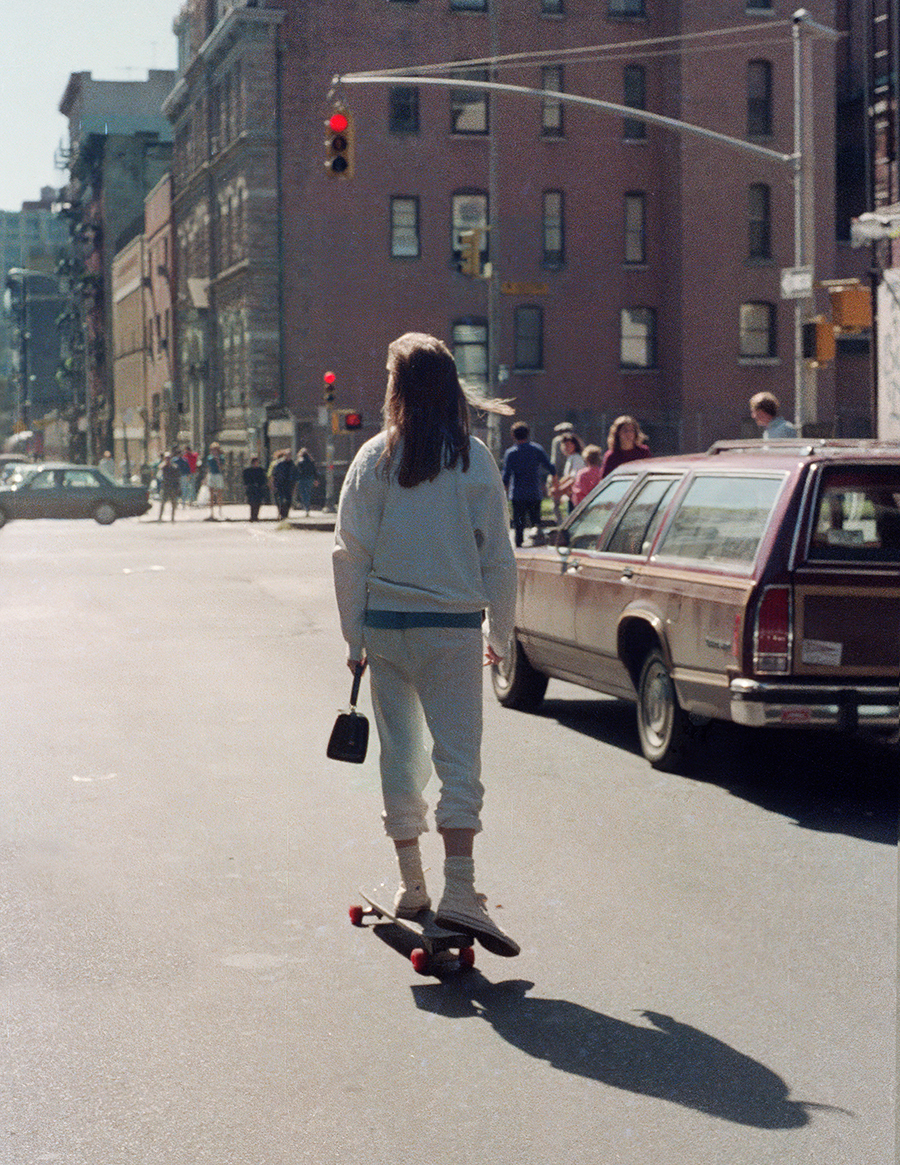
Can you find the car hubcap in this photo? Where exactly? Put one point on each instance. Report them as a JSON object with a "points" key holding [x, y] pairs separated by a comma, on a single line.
{"points": [[657, 705]]}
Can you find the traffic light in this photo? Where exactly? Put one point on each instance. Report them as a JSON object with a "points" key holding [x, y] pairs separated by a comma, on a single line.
{"points": [[353, 420], [329, 379], [818, 341], [470, 252], [339, 142]]}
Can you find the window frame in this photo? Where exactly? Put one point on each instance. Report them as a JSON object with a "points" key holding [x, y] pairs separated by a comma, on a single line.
{"points": [[760, 115], [553, 258], [634, 130], [461, 222], [759, 221], [396, 227], [552, 116], [747, 331], [395, 122], [466, 99], [649, 339], [630, 232], [525, 338], [460, 346]]}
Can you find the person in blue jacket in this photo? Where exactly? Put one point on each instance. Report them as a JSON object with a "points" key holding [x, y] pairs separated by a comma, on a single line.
{"points": [[524, 466]]}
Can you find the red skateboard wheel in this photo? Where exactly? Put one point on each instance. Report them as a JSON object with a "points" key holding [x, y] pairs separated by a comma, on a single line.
{"points": [[420, 961], [356, 915]]}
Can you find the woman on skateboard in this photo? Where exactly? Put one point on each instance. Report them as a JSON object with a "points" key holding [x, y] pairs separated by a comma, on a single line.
{"points": [[422, 556]]}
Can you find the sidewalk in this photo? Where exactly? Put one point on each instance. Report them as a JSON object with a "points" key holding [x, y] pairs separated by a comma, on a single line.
{"points": [[317, 520]]}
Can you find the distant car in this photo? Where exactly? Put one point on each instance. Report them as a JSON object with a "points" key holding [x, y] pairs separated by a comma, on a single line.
{"points": [[58, 490], [757, 583], [10, 462]]}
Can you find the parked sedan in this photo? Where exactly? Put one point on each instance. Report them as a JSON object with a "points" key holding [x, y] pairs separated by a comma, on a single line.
{"points": [[757, 583], [58, 490]]}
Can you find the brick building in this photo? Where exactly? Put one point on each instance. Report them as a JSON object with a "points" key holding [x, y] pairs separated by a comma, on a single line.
{"points": [[631, 268], [119, 148]]}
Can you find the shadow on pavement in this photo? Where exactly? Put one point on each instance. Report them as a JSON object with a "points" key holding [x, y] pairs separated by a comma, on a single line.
{"points": [[820, 780], [664, 1059]]}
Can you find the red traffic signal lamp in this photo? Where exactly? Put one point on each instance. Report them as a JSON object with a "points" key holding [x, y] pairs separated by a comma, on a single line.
{"points": [[353, 420], [339, 143], [329, 379]]}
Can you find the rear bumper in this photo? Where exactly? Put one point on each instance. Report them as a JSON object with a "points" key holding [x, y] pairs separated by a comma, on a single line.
{"points": [[869, 707]]}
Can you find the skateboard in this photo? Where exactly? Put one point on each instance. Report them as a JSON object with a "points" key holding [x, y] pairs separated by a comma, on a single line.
{"points": [[438, 950]]}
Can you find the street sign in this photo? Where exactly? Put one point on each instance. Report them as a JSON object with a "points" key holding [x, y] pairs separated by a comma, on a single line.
{"points": [[796, 282], [508, 287]]}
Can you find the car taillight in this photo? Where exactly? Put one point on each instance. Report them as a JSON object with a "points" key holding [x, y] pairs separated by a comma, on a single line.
{"points": [[773, 633]]}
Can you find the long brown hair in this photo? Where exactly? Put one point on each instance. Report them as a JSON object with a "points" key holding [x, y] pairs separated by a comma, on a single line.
{"points": [[426, 410]]}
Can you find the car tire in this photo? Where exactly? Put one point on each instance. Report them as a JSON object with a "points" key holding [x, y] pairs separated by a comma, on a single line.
{"points": [[664, 727], [105, 513], [516, 683]]}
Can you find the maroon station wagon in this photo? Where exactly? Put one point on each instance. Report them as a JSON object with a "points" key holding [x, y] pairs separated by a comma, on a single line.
{"points": [[758, 583]]}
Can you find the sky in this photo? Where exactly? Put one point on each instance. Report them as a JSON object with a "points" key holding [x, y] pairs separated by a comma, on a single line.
{"points": [[40, 45]]}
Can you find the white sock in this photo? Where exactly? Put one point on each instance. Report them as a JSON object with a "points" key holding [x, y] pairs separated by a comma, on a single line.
{"points": [[460, 872], [412, 876]]}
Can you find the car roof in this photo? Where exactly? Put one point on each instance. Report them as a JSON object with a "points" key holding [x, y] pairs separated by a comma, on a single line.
{"points": [[780, 454]]}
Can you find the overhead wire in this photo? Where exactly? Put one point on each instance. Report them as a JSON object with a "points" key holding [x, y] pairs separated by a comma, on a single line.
{"points": [[651, 46]]}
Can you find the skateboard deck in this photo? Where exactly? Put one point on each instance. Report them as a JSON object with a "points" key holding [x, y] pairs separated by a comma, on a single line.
{"points": [[438, 950]]}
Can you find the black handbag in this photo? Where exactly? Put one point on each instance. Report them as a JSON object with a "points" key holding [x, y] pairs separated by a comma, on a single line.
{"points": [[350, 735]]}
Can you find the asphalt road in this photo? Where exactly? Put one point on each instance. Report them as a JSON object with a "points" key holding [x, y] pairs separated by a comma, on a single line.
{"points": [[708, 963]]}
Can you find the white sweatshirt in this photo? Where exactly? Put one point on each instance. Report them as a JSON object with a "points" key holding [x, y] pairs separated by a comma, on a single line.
{"points": [[441, 546]]}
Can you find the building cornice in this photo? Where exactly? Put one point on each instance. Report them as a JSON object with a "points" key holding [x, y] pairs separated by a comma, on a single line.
{"points": [[215, 46]]}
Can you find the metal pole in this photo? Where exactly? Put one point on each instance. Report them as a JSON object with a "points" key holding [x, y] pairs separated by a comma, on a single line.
{"points": [[800, 305], [493, 283]]}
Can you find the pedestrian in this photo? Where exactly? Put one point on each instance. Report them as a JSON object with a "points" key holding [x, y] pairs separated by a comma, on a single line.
{"points": [[626, 443], [256, 487], [587, 478], [522, 466], [307, 477], [764, 410], [282, 475], [215, 480], [189, 479], [180, 463], [572, 447], [169, 485], [421, 554], [558, 457], [107, 465]]}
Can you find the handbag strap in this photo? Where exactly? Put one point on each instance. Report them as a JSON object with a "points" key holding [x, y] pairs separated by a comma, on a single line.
{"points": [[357, 679]]}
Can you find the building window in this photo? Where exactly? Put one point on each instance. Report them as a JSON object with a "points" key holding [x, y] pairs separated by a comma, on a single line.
{"points": [[759, 221], [626, 8], [635, 216], [468, 5], [552, 7], [470, 213], [757, 323], [638, 337], [529, 338], [551, 108], [470, 351], [759, 5], [404, 228], [759, 99], [635, 90], [554, 229], [469, 107], [404, 109]]}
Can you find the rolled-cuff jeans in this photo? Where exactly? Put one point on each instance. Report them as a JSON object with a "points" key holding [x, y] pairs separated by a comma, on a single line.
{"points": [[428, 676]]}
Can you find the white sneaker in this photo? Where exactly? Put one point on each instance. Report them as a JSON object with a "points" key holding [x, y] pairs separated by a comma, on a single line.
{"points": [[461, 908], [411, 900]]}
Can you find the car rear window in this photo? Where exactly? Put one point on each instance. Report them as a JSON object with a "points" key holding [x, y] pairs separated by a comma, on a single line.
{"points": [[857, 515], [721, 520]]}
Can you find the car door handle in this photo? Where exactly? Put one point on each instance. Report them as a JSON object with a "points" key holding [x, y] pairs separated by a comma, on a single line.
{"points": [[573, 565], [627, 572]]}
